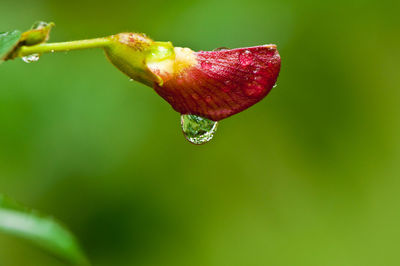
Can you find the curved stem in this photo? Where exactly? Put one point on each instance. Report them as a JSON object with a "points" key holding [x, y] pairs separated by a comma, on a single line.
{"points": [[62, 46]]}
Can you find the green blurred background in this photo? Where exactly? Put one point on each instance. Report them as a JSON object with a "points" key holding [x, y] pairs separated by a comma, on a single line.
{"points": [[309, 176]]}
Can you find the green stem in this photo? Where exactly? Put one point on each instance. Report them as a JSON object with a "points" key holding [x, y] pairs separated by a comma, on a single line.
{"points": [[62, 46]]}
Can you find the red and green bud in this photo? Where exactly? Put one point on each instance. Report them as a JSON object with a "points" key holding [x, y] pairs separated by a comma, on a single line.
{"points": [[210, 84]]}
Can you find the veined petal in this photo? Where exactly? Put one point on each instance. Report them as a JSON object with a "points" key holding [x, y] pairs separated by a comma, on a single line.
{"points": [[218, 84]]}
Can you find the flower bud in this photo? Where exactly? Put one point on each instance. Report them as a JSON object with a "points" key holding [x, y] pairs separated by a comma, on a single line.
{"points": [[38, 34], [214, 84], [136, 55]]}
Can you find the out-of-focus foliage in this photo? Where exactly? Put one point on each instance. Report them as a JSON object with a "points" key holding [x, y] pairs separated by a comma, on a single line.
{"points": [[309, 176], [45, 232], [8, 40]]}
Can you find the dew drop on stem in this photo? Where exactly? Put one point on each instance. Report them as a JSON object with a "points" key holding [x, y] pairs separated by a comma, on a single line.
{"points": [[197, 129], [31, 58]]}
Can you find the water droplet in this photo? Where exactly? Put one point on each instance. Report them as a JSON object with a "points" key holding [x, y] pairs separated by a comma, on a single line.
{"points": [[253, 89], [31, 58], [221, 49], [258, 71], [276, 84], [52, 51], [246, 58], [260, 75], [206, 65], [197, 129], [130, 80], [39, 25], [227, 87]]}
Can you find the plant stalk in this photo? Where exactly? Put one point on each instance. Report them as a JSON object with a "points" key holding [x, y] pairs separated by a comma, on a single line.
{"points": [[62, 46]]}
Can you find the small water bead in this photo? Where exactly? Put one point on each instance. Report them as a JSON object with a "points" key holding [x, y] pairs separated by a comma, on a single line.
{"points": [[31, 58], [39, 25], [259, 75], [246, 58], [253, 89], [227, 87], [259, 78], [206, 65], [197, 129], [258, 71]]}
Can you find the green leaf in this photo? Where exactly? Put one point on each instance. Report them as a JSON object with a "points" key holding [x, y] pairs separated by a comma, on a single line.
{"points": [[8, 41], [40, 230]]}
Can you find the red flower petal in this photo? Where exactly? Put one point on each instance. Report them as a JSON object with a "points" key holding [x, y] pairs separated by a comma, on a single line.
{"points": [[223, 83]]}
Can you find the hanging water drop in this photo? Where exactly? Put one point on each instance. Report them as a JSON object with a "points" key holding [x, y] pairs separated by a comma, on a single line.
{"points": [[31, 58], [197, 129]]}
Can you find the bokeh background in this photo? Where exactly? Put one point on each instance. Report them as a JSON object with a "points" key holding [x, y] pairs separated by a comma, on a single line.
{"points": [[309, 176]]}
